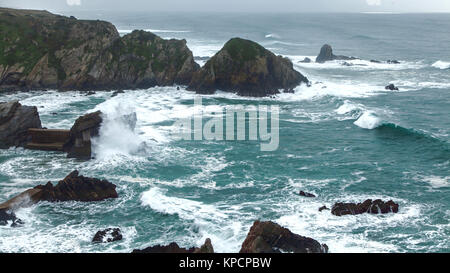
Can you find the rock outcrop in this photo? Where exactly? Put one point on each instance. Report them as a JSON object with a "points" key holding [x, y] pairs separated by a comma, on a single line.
{"points": [[326, 54], [41, 50], [248, 69], [175, 248], [269, 237], [108, 235], [15, 120], [7, 217], [368, 206], [306, 194], [391, 87], [72, 188], [84, 129]]}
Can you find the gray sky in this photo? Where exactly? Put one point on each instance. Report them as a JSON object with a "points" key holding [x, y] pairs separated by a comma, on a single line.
{"points": [[236, 5]]}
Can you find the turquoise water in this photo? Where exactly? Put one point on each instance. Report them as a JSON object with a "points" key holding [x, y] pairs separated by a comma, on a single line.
{"points": [[343, 139]]}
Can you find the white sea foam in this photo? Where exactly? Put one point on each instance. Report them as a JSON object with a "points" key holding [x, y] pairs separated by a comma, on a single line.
{"points": [[369, 120], [441, 65]]}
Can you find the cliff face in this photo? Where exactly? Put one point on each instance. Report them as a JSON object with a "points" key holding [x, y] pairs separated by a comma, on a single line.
{"points": [[247, 68], [42, 50]]}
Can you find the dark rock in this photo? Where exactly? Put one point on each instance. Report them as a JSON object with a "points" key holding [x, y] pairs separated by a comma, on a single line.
{"points": [[15, 120], [323, 208], [306, 60], [347, 64], [117, 93], [72, 188], [306, 194], [68, 54], [269, 237], [326, 54], [247, 68], [108, 235], [85, 128], [368, 206], [391, 87], [175, 248], [6, 217], [375, 61], [393, 62]]}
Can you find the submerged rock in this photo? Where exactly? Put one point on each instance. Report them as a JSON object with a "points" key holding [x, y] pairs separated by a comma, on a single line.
{"points": [[6, 217], [269, 237], [175, 248], [72, 188], [108, 235], [85, 128], [323, 208], [393, 62], [368, 206], [326, 54], [15, 120], [306, 194], [43, 50], [247, 68], [115, 93], [306, 60], [391, 87]]}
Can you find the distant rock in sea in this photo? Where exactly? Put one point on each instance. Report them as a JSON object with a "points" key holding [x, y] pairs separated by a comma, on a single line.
{"points": [[391, 87], [15, 120], [248, 69], [269, 237], [72, 188], [175, 248], [306, 60], [108, 235], [306, 194], [368, 206], [43, 50], [326, 54]]}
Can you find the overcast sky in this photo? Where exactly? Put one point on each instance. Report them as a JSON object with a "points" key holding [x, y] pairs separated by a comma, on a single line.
{"points": [[236, 5]]}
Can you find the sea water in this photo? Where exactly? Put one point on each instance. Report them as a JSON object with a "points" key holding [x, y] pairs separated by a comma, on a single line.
{"points": [[345, 138]]}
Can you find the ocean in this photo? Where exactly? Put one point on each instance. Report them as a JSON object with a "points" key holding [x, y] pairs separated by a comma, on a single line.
{"points": [[345, 138]]}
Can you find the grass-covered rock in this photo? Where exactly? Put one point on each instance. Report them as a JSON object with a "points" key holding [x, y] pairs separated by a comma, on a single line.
{"points": [[43, 50], [247, 68]]}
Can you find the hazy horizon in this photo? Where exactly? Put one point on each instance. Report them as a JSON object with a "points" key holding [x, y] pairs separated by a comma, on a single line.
{"points": [[261, 6]]}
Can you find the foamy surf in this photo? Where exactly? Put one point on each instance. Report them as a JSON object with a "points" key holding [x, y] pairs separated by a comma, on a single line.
{"points": [[441, 65]]}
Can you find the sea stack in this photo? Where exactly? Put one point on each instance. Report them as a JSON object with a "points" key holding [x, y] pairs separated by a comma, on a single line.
{"points": [[326, 54], [248, 69]]}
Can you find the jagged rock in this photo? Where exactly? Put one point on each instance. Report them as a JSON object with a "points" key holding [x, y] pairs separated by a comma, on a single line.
{"points": [[391, 87], [117, 93], [81, 133], [306, 60], [15, 120], [269, 237], [368, 206], [306, 194], [72, 188], [247, 68], [175, 248], [42, 50], [326, 54], [108, 235], [6, 217], [323, 208]]}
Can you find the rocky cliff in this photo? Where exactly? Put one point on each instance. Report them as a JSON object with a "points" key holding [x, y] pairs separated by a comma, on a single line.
{"points": [[40, 50], [247, 68]]}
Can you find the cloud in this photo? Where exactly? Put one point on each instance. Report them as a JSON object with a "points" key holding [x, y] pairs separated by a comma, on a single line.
{"points": [[373, 2], [73, 2]]}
